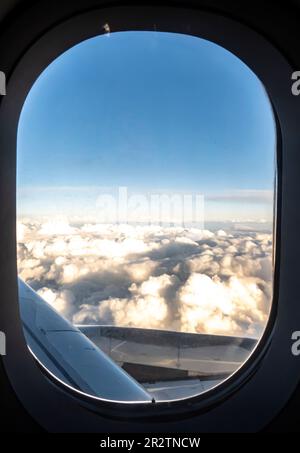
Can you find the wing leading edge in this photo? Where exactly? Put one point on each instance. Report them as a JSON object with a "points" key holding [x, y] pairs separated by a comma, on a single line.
{"points": [[69, 355]]}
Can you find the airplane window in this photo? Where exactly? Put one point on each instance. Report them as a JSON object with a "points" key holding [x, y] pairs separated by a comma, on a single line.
{"points": [[146, 169]]}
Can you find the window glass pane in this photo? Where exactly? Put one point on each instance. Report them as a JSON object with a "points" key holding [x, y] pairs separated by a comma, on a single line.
{"points": [[146, 166]]}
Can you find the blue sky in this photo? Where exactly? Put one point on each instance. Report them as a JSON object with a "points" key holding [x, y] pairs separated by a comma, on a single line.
{"points": [[150, 111]]}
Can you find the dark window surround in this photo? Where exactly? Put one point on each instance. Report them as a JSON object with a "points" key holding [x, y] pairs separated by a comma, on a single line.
{"points": [[252, 397]]}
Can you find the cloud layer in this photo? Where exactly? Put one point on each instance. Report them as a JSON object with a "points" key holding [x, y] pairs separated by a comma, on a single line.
{"points": [[150, 276]]}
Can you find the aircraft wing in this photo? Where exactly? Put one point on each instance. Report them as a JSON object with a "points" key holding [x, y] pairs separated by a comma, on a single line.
{"points": [[172, 365], [69, 355], [128, 364]]}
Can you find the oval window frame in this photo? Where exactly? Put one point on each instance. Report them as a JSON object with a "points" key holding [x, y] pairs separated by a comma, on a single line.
{"points": [[253, 381]]}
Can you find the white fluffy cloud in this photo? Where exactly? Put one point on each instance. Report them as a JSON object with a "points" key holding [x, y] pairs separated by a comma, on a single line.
{"points": [[60, 300], [145, 307], [151, 276], [210, 305]]}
